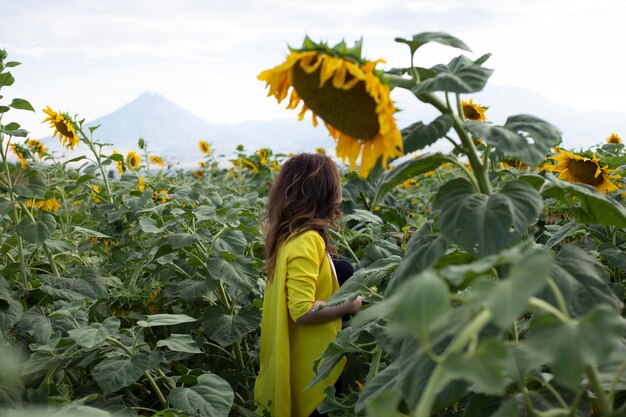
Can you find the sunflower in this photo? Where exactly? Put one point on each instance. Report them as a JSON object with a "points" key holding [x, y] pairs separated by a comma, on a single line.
{"points": [[577, 168], [95, 190], [614, 138], [262, 154], [347, 92], [141, 183], [160, 194], [473, 111], [202, 164], [37, 147], [410, 183], [198, 174], [205, 148], [156, 160], [275, 166], [63, 126], [19, 153], [245, 163], [320, 150], [51, 204], [133, 159], [120, 164]]}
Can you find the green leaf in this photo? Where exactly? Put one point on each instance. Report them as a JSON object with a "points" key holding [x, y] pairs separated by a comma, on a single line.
{"points": [[10, 309], [180, 240], [148, 225], [39, 231], [240, 274], [508, 298], [90, 232], [232, 241], [165, 320], [582, 280], [484, 224], [524, 137], [423, 38], [211, 397], [180, 343], [29, 184], [418, 135], [586, 204], [461, 76], [575, 344], [422, 252], [6, 206], [4, 109], [226, 329], [6, 79], [87, 286], [483, 368], [96, 334], [12, 64], [113, 374], [421, 305], [19, 103], [408, 169], [564, 231]]}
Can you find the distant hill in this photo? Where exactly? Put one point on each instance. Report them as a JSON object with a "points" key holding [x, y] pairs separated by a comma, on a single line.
{"points": [[174, 132]]}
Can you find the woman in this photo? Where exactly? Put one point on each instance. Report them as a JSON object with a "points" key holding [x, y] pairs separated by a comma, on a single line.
{"points": [[304, 202]]}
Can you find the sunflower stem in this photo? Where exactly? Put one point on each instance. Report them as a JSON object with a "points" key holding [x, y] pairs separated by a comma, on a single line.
{"points": [[97, 155]]}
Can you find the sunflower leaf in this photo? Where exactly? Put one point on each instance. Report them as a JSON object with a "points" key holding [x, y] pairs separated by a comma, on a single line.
{"points": [[524, 137], [409, 169], [483, 224], [21, 104], [418, 135], [423, 38], [586, 204], [461, 75]]}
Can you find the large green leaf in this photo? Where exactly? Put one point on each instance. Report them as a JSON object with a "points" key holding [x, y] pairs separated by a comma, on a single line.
{"points": [[585, 203], [39, 230], [484, 224], [232, 241], [87, 286], [96, 334], [180, 240], [239, 274], [461, 75], [148, 225], [165, 320], [508, 298], [418, 135], [20, 103], [180, 343], [113, 374], [483, 368], [28, 183], [524, 137], [227, 329], [440, 37], [582, 280], [420, 305], [408, 169], [573, 345], [211, 397]]}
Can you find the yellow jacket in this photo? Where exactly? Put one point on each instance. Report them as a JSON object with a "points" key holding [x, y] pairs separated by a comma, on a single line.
{"points": [[302, 274]]}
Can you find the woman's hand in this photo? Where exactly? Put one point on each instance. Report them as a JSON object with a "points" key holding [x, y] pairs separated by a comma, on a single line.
{"points": [[357, 303]]}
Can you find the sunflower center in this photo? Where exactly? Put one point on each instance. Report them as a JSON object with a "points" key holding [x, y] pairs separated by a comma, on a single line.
{"points": [[585, 172], [62, 128], [471, 113], [353, 111]]}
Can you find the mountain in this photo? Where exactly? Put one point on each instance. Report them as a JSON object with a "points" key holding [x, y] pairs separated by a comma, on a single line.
{"points": [[174, 132]]}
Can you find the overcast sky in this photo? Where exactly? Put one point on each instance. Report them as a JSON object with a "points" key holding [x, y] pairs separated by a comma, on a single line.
{"points": [[93, 56]]}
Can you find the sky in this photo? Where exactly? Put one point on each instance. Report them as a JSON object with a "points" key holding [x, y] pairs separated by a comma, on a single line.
{"points": [[91, 57]]}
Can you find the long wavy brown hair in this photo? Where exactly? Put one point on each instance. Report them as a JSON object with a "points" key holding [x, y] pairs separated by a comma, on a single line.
{"points": [[306, 195]]}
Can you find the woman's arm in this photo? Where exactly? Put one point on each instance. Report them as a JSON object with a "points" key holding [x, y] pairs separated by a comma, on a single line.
{"points": [[324, 315]]}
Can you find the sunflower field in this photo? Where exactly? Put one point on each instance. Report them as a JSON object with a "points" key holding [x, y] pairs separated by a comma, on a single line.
{"points": [[493, 274]]}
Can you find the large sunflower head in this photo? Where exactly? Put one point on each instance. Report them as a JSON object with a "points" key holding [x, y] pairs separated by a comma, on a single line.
{"points": [[578, 168], [346, 91], [614, 138], [63, 126], [473, 111], [20, 153]]}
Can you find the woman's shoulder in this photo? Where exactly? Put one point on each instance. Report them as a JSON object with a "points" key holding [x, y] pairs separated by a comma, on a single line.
{"points": [[309, 238]]}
